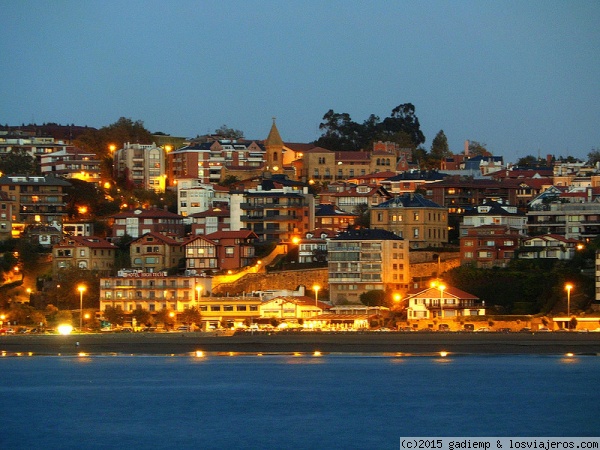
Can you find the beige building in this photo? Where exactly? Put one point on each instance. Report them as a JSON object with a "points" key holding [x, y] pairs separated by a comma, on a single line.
{"points": [[83, 252], [414, 218], [154, 252], [142, 166], [366, 260]]}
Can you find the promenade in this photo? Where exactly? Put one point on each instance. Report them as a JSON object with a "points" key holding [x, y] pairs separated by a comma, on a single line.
{"points": [[415, 343]]}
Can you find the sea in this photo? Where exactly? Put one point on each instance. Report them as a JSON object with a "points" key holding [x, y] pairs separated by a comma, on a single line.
{"points": [[285, 401]]}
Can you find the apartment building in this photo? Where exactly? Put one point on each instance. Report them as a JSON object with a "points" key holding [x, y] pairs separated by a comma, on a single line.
{"points": [[276, 210], [71, 162], [493, 213], [421, 222], [36, 199], [138, 222], [141, 166], [489, 246], [579, 221], [222, 250], [364, 260]]}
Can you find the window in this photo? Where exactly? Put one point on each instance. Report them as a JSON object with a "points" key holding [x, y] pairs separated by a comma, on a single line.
{"points": [[415, 232], [229, 252]]}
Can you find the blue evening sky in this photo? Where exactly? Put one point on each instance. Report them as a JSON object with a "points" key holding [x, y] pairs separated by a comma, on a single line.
{"points": [[521, 76]]}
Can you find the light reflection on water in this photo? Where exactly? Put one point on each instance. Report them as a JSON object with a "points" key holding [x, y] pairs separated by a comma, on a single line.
{"points": [[291, 401]]}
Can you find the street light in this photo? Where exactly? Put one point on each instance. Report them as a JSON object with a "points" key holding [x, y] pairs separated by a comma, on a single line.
{"points": [[316, 288], [441, 287], [81, 288], [568, 287]]}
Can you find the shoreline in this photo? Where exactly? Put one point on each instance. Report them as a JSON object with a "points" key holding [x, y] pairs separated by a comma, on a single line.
{"points": [[369, 343]]}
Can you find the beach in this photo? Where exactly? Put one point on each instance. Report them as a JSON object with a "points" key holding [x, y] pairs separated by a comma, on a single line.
{"points": [[178, 343]]}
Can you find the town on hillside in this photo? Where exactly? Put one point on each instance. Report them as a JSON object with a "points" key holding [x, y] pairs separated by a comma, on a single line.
{"points": [[224, 234]]}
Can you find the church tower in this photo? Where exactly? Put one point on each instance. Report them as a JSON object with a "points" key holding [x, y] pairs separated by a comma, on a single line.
{"points": [[274, 150]]}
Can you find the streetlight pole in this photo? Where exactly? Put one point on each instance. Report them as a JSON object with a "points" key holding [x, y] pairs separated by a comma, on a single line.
{"points": [[442, 287], [81, 289], [316, 288], [568, 287]]}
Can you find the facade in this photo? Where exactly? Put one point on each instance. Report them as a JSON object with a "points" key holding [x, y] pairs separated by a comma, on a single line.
{"points": [[194, 197], [83, 252], [210, 221], [579, 221], [71, 162], [421, 222], [460, 195], [410, 182], [7, 212], [28, 143], [549, 246], [489, 246], [155, 252], [291, 309], [138, 222], [364, 260], [350, 197], [141, 166], [333, 218], [36, 200], [493, 213], [347, 318], [450, 302], [222, 250], [277, 210]]}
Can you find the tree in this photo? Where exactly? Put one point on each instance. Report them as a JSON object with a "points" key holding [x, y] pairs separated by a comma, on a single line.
{"points": [[18, 162], [166, 317], [142, 316], [528, 160], [364, 219], [190, 316], [439, 147], [403, 119], [122, 131], [373, 298], [594, 156], [114, 315], [478, 149], [229, 133]]}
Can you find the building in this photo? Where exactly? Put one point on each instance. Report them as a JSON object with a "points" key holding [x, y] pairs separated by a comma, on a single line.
{"points": [[351, 198], [489, 246], [211, 221], [410, 182], [7, 212], [36, 200], [493, 213], [138, 222], [71, 162], [194, 197], [549, 246], [460, 195], [83, 252], [441, 303], [141, 166], [365, 260], [421, 222], [222, 250], [155, 252], [347, 318], [579, 221], [292, 310], [276, 210], [154, 292], [332, 218]]}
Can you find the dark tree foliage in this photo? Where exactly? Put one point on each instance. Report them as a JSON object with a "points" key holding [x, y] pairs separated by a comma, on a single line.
{"points": [[439, 148], [373, 298], [122, 131], [341, 133], [18, 162]]}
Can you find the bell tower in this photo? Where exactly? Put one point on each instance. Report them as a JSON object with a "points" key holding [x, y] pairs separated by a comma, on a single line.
{"points": [[274, 150]]}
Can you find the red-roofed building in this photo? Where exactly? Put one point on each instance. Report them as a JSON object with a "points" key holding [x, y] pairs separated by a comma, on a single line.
{"points": [[83, 252], [434, 302], [139, 222], [349, 197], [223, 250], [155, 252], [489, 246], [211, 221]]}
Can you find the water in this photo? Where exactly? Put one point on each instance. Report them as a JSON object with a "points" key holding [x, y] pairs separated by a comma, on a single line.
{"points": [[284, 402]]}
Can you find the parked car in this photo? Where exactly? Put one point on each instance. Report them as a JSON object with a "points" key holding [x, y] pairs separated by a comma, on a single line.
{"points": [[525, 330], [482, 329], [7, 331], [184, 328]]}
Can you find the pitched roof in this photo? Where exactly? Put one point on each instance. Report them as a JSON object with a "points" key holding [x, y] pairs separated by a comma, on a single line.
{"points": [[327, 209], [274, 138], [161, 237], [87, 241], [241, 234], [409, 201]]}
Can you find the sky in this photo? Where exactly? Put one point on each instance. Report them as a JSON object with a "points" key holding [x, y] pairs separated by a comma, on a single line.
{"points": [[521, 77]]}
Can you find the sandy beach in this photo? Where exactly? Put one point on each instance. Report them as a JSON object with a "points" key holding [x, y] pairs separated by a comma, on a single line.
{"points": [[406, 343]]}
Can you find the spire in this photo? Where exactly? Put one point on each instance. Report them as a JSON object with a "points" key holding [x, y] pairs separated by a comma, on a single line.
{"points": [[274, 138]]}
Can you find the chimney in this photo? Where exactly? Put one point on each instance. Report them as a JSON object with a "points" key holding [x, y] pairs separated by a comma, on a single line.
{"points": [[467, 147]]}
